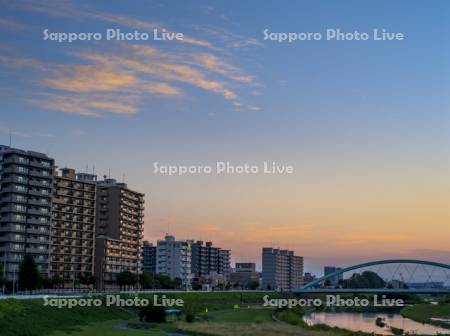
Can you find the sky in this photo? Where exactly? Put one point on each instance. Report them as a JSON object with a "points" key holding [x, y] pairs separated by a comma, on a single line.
{"points": [[365, 124]]}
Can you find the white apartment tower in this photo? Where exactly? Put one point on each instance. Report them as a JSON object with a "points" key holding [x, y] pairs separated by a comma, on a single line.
{"points": [[173, 258]]}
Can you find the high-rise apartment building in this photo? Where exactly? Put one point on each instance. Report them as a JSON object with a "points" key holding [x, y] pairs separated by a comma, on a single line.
{"points": [[73, 226], [208, 259], [149, 257], [281, 269], [173, 258], [335, 280], [224, 264], [26, 187], [119, 232]]}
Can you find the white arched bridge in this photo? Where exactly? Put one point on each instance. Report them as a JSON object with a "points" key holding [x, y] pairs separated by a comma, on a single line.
{"points": [[403, 274]]}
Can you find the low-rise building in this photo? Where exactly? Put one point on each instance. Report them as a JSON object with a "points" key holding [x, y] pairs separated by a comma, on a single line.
{"points": [[244, 274]]}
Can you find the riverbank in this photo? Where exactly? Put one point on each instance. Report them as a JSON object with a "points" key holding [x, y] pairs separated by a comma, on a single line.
{"points": [[435, 314], [216, 314]]}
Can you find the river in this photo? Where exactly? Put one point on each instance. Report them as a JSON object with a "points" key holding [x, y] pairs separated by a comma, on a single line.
{"points": [[366, 322]]}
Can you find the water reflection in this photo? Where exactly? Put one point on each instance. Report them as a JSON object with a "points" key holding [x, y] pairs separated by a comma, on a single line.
{"points": [[366, 322]]}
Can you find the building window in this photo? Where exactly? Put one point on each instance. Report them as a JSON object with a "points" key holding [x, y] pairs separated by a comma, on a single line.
{"points": [[20, 188], [21, 169]]}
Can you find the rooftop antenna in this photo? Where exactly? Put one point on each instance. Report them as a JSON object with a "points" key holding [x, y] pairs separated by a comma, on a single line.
{"points": [[93, 170], [10, 137]]}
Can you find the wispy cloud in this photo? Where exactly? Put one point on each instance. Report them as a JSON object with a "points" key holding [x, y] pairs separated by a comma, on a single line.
{"points": [[12, 24], [228, 38], [21, 134], [88, 105], [68, 8], [116, 80]]}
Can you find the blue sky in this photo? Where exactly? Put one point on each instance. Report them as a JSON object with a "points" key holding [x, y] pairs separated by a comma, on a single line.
{"points": [[365, 123]]}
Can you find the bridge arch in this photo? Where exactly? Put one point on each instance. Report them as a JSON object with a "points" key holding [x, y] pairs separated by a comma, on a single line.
{"points": [[372, 263]]}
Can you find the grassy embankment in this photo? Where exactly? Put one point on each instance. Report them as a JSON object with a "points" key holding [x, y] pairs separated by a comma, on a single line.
{"points": [[257, 321], [217, 314], [425, 312], [31, 318]]}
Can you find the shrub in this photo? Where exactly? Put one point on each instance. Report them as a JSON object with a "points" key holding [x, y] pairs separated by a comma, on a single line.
{"points": [[152, 314]]}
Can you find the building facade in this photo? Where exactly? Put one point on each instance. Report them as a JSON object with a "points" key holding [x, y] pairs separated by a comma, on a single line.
{"points": [[281, 269], [243, 267], [208, 260], [149, 257], [26, 187], [335, 280], [119, 232], [224, 263], [73, 226], [173, 259], [244, 274]]}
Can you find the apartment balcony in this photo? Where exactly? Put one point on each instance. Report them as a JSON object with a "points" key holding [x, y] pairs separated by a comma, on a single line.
{"points": [[39, 212], [13, 228], [40, 174], [38, 221], [38, 164], [40, 183], [12, 238], [38, 231], [16, 160], [38, 241], [8, 248], [13, 208], [13, 189], [15, 179], [38, 202], [40, 193], [36, 250], [12, 219], [14, 199], [14, 170]]}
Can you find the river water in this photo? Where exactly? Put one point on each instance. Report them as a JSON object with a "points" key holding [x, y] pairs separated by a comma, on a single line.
{"points": [[366, 322]]}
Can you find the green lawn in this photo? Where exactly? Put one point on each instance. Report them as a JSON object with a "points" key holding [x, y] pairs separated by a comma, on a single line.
{"points": [[110, 328], [240, 316], [424, 312], [31, 318]]}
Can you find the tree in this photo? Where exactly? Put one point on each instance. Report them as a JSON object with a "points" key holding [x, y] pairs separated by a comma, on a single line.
{"points": [[29, 277], [87, 279], [2, 279], [367, 279], [148, 280], [152, 314], [126, 278], [56, 281], [252, 285]]}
